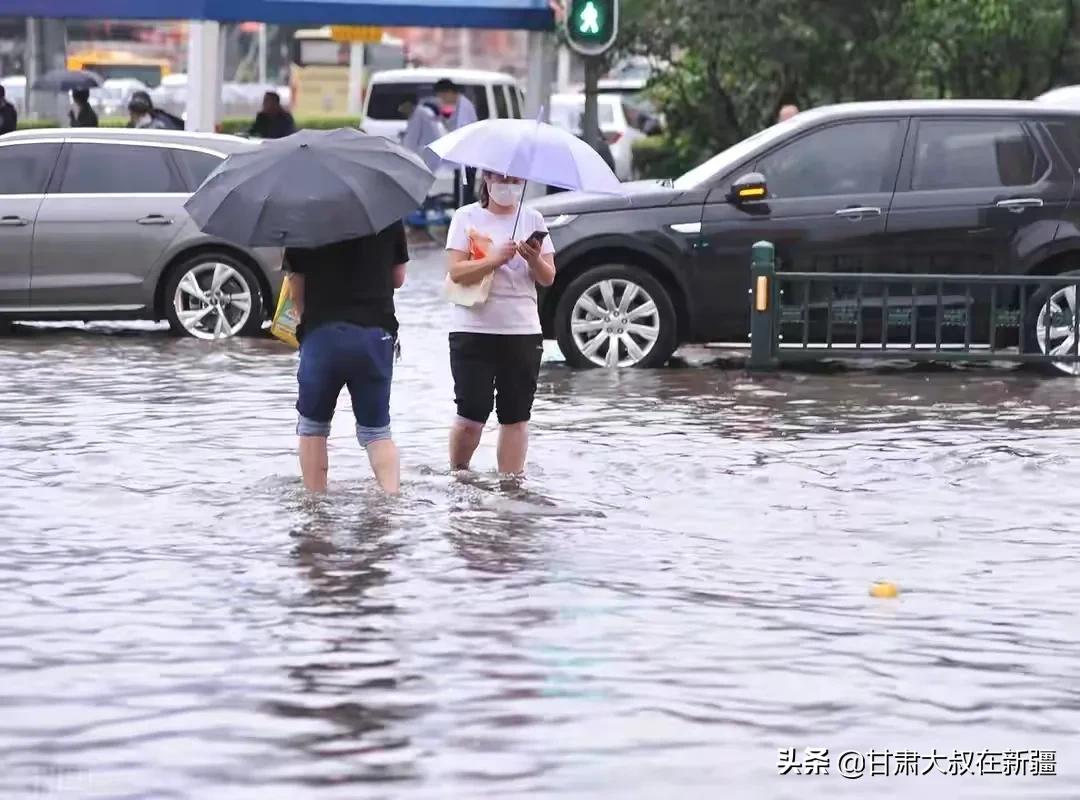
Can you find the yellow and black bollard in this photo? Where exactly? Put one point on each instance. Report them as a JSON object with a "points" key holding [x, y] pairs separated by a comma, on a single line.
{"points": [[762, 313]]}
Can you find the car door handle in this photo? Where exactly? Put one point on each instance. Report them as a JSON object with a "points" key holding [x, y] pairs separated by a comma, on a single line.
{"points": [[154, 219], [14, 222], [1018, 204], [687, 227], [857, 213]]}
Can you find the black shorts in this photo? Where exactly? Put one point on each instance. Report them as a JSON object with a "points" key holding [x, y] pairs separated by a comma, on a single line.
{"points": [[486, 363]]}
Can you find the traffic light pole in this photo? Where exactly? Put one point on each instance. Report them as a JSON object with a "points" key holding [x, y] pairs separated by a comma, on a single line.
{"points": [[590, 123], [591, 29]]}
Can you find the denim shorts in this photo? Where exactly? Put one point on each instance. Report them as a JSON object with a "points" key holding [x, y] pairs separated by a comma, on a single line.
{"points": [[338, 355]]}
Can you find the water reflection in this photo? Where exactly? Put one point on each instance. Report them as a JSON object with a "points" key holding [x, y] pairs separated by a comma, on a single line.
{"points": [[354, 683], [678, 589]]}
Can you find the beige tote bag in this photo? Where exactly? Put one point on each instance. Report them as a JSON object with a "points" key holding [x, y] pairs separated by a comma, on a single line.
{"points": [[475, 294]]}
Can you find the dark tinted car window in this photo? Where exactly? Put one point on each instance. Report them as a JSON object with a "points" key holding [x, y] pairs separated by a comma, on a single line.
{"points": [[854, 158], [975, 154], [196, 166], [479, 96], [387, 98], [117, 169], [501, 108], [1067, 138], [515, 101], [25, 168]]}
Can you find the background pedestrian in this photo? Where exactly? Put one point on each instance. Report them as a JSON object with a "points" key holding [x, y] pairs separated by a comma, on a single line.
{"points": [[81, 115], [462, 113], [9, 117], [274, 121]]}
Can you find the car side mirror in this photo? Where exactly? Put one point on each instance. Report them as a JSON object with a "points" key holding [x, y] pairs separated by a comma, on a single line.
{"points": [[751, 186]]}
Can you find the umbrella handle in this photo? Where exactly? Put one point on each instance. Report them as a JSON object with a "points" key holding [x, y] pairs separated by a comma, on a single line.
{"points": [[517, 219]]}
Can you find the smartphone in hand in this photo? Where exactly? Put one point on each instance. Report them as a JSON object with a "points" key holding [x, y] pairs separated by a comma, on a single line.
{"points": [[537, 238]]}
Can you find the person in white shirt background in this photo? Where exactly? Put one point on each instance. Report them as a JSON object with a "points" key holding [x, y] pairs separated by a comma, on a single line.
{"points": [[496, 345], [424, 127], [463, 113]]}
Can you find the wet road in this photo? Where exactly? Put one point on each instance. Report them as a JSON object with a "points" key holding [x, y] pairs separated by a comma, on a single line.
{"points": [[678, 590]]}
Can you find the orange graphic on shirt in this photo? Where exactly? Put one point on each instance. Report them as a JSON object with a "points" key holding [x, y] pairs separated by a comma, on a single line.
{"points": [[479, 245]]}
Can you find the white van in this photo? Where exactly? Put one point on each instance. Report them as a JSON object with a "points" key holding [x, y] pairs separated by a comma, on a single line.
{"points": [[496, 95]]}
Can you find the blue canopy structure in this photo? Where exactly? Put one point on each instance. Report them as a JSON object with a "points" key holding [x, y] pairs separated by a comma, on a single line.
{"points": [[506, 14]]}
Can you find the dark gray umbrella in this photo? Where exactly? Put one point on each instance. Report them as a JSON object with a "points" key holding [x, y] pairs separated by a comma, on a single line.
{"points": [[310, 189], [64, 80]]}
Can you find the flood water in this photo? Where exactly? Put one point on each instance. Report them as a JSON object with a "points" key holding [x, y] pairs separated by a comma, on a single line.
{"points": [[677, 591]]}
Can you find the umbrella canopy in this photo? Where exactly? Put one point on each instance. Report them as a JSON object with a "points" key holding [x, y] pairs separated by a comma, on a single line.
{"points": [[64, 80], [530, 150], [310, 189]]}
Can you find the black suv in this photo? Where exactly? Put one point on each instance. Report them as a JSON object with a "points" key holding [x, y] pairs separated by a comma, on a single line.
{"points": [[915, 187]]}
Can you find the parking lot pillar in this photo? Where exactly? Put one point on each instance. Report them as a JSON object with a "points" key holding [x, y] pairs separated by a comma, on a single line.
{"points": [[539, 79], [204, 75], [762, 313]]}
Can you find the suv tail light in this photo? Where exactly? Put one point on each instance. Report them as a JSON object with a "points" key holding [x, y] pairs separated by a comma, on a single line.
{"points": [[612, 137]]}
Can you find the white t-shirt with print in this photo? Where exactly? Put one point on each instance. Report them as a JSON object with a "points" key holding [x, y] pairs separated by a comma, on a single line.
{"points": [[511, 305]]}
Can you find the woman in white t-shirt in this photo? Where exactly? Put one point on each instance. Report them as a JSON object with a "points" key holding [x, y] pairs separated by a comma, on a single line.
{"points": [[496, 345]]}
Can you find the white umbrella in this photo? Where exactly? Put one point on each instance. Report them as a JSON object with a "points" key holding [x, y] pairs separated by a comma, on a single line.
{"points": [[530, 150]]}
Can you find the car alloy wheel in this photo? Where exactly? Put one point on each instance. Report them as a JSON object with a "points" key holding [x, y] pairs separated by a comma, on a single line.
{"points": [[1054, 328], [615, 323], [213, 300]]}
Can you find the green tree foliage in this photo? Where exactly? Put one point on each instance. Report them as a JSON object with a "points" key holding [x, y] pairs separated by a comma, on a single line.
{"points": [[736, 62]]}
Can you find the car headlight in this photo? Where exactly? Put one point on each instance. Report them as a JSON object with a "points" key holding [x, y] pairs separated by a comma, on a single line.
{"points": [[559, 221]]}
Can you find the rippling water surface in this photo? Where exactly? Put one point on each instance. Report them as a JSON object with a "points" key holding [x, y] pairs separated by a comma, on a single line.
{"points": [[678, 590]]}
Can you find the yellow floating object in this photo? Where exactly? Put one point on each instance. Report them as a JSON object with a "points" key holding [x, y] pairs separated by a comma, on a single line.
{"points": [[884, 589]]}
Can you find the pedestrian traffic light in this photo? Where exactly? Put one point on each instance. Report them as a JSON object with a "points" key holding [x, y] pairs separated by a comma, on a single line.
{"points": [[591, 25]]}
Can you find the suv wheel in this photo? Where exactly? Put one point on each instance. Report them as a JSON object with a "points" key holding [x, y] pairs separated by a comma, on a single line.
{"points": [[616, 316], [213, 296]]}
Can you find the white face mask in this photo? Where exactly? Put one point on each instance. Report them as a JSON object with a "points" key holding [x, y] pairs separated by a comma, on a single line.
{"points": [[506, 194]]}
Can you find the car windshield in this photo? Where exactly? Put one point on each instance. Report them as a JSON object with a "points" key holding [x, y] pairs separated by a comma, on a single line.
{"points": [[387, 98], [113, 91], [567, 114], [701, 175]]}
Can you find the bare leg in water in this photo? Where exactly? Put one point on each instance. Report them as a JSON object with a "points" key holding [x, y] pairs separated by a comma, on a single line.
{"points": [[386, 464], [464, 439], [314, 462], [513, 448], [383, 455]]}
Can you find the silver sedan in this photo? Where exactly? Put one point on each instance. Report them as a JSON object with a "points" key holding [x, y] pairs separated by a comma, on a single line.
{"points": [[93, 227]]}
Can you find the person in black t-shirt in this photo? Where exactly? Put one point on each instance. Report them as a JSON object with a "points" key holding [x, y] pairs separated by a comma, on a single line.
{"points": [[9, 117], [344, 293], [273, 122], [81, 114]]}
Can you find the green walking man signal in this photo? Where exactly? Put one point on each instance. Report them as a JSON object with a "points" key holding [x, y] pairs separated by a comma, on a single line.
{"points": [[591, 25]]}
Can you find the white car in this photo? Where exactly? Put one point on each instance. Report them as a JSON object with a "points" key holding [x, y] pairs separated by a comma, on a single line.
{"points": [[1068, 96], [112, 97], [567, 111], [237, 99], [495, 95]]}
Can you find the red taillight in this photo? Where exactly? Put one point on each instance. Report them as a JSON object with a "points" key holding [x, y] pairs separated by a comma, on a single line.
{"points": [[612, 137]]}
